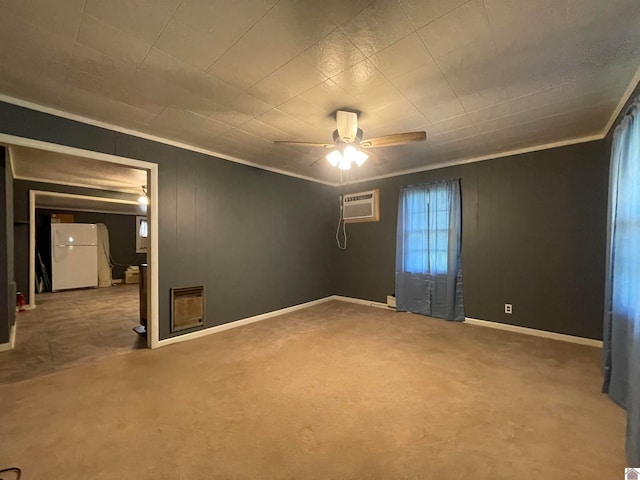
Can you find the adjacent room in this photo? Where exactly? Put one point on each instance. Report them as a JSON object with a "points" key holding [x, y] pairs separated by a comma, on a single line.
{"points": [[81, 230], [382, 239]]}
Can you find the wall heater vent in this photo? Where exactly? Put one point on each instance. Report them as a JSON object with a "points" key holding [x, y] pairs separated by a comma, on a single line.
{"points": [[187, 308], [361, 207]]}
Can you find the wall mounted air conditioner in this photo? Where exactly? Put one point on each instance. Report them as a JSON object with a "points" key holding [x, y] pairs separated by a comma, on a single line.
{"points": [[361, 207]]}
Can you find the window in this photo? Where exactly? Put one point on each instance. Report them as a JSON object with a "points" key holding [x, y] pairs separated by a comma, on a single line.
{"points": [[426, 234], [142, 234]]}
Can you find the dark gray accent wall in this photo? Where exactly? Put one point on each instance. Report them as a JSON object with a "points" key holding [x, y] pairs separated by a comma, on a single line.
{"points": [[257, 240], [122, 236], [7, 289], [534, 230]]}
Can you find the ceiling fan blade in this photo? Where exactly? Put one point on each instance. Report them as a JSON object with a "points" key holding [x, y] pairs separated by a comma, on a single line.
{"points": [[395, 139], [305, 144]]}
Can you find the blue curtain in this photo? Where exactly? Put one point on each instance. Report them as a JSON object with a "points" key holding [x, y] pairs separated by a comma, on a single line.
{"points": [[622, 295], [428, 245]]}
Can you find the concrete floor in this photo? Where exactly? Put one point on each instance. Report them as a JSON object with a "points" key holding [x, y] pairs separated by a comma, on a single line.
{"points": [[335, 391], [72, 328]]}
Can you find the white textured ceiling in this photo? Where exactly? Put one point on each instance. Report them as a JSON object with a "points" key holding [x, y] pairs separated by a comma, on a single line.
{"points": [[51, 167], [480, 76]]}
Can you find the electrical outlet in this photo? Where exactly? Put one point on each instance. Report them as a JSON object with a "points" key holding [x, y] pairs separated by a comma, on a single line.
{"points": [[508, 308]]}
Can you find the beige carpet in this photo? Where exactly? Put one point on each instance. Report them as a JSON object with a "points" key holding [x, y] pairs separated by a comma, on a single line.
{"points": [[336, 391]]}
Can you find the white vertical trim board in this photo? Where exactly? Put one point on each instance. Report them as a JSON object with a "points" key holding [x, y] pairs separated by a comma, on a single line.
{"points": [[239, 323], [536, 333], [32, 248], [153, 299], [12, 338]]}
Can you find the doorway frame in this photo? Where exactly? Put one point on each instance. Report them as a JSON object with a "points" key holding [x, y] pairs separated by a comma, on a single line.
{"points": [[153, 331]]}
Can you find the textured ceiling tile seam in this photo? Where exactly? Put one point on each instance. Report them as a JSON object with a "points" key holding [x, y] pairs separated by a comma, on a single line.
{"points": [[474, 159], [434, 19], [371, 2], [373, 54], [90, 121], [299, 95], [516, 123], [464, 91], [162, 29], [400, 91], [325, 78], [368, 58], [250, 87], [241, 36], [426, 47], [509, 102], [84, 7]]}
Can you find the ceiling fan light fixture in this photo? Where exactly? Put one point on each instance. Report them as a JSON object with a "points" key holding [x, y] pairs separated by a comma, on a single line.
{"points": [[344, 164], [143, 199], [334, 157], [350, 153], [361, 157]]}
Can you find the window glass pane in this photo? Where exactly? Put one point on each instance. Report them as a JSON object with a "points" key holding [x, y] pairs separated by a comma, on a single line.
{"points": [[441, 219], [426, 229], [143, 229]]}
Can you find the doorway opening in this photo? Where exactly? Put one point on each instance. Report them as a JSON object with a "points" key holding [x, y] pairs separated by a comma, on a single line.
{"points": [[68, 189]]}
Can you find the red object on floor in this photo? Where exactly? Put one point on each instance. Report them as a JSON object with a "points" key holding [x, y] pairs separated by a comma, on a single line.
{"points": [[20, 301]]}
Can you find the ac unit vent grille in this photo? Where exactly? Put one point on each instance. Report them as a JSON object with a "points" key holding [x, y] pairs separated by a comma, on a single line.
{"points": [[358, 210], [361, 207], [356, 198]]}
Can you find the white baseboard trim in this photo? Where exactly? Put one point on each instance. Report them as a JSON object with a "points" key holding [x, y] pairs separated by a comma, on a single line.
{"points": [[264, 316], [241, 322], [536, 333], [359, 301], [12, 339]]}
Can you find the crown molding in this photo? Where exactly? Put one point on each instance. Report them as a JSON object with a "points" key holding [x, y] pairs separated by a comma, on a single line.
{"points": [[635, 81], [536, 148], [463, 161], [135, 133]]}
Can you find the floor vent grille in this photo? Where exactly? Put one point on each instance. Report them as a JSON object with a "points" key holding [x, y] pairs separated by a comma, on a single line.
{"points": [[187, 308]]}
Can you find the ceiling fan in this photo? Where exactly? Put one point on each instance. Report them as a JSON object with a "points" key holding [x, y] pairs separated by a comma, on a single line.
{"points": [[348, 145]]}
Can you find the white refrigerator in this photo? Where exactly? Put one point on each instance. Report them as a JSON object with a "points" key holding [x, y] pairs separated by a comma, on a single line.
{"points": [[74, 255]]}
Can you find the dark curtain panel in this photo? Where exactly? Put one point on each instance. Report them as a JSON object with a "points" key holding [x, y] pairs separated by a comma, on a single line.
{"points": [[622, 295], [428, 247]]}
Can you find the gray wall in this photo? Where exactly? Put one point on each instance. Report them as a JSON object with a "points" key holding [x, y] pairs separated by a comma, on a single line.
{"points": [[122, 236], [7, 290], [257, 240], [534, 230]]}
